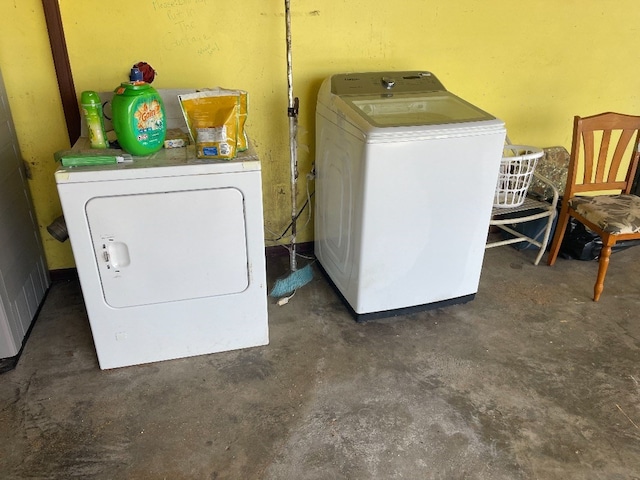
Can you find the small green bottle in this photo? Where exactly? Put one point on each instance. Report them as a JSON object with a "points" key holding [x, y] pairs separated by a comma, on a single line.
{"points": [[92, 110], [138, 118]]}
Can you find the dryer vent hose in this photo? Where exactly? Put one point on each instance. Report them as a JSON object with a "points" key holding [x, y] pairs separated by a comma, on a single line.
{"points": [[58, 229]]}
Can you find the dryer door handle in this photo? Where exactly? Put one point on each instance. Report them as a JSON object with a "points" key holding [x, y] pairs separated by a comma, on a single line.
{"points": [[117, 255]]}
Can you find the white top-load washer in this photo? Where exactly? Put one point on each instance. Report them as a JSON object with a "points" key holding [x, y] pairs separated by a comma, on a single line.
{"points": [[406, 174], [170, 254]]}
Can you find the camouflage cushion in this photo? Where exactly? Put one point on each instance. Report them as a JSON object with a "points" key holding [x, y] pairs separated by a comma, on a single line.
{"points": [[613, 213], [553, 165]]}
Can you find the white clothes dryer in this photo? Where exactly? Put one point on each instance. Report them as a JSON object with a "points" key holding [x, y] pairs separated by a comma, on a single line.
{"points": [[405, 177], [170, 254]]}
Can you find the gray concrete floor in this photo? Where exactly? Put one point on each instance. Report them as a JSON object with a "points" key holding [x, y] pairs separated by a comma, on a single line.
{"points": [[530, 380]]}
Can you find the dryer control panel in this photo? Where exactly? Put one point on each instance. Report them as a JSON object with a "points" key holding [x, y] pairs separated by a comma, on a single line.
{"points": [[384, 83]]}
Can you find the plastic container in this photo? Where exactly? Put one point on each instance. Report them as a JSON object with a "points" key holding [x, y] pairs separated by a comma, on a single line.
{"points": [[92, 111], [138, 118], [516, 171]]}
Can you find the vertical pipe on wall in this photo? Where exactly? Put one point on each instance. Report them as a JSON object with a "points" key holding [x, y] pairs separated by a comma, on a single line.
{"points": [[293, 140]]}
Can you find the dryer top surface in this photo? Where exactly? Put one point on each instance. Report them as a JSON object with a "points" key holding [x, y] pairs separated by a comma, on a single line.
{"points": [[164, 163]]}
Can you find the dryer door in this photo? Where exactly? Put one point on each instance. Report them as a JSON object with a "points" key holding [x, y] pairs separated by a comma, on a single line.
{"points": [[171, 246]]}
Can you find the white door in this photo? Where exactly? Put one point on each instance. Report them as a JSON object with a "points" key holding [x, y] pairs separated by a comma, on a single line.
{"points": [[24, 278], [170, 246]]}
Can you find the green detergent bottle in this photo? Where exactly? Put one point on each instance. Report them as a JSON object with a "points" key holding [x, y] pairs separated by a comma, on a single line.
{"points": [[138, 118], [92, 110]]}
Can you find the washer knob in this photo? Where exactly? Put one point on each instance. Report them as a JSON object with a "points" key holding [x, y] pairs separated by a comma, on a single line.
{"points": [[388, 82]]}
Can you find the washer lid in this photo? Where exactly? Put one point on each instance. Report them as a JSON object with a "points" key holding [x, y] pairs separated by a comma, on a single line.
{"points": [[415, 109]]}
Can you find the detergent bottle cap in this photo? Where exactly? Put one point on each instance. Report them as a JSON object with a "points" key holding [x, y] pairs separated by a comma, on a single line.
{"points": [[135, 75], [89, 97]]}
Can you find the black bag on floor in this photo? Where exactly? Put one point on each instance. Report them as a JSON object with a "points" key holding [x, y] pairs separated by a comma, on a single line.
{"points": [[581, 243]]}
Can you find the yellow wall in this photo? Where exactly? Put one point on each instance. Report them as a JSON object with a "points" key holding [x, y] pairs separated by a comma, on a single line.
{"points": [[533, 64], [29, 76]]}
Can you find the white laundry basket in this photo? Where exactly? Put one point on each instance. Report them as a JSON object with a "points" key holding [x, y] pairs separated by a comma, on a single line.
{"points": [[516, 170]]}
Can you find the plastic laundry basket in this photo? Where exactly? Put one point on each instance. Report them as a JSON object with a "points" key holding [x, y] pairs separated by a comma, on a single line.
{"points": [[516, 170]]}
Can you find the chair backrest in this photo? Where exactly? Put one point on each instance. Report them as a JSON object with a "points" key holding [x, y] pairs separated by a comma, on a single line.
{"points": [[604, 154]]}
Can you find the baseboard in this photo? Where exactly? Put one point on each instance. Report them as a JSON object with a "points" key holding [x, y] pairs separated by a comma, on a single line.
{"points": [[63, 274], [304, 248]]}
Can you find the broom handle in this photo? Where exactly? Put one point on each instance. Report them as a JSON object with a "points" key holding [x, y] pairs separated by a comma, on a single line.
{"points": [[292, 112], [287, 9]]}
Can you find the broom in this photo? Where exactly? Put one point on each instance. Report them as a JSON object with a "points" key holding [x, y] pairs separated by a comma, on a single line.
{"points": [[296, 278]]}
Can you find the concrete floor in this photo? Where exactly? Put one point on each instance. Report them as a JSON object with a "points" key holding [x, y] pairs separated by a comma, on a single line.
{"points": [[530, 380]]}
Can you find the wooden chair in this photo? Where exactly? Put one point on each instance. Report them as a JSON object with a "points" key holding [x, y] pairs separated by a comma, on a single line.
{"points": [[602, 167]]}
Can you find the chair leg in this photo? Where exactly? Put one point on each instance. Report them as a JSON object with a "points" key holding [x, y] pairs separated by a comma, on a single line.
{"points": [[603, 265], [561, 227]]}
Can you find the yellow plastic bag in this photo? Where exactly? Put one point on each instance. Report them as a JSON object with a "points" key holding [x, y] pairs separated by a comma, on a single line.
{"points": [[243, 112], [243, 141], [213, 119]]}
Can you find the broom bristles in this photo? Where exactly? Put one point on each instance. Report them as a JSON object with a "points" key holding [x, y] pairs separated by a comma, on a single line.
{"points": [[295, 280]]}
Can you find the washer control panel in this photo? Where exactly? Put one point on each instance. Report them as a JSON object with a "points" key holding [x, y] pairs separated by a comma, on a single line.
{"points": [[384, 83]]}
